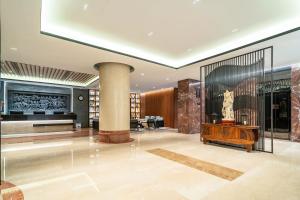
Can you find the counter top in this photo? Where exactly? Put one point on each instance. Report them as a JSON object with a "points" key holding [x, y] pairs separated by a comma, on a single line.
{"points": [[28, 117]]}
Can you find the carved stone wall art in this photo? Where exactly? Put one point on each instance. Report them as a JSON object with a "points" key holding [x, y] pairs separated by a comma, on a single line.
{"points": [[34, 101]]}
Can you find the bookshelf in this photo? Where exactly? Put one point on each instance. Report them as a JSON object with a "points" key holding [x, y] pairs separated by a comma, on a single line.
{"points": [[93, 105], [135, 105]]}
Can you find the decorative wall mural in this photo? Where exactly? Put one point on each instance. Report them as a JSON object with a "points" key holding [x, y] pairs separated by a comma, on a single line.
{"points": [[34, 101]]}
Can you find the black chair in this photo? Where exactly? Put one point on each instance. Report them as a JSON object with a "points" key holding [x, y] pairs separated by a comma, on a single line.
{"points": [[159, 123], [96, 124], [58, 112], [39, 112], [151, 123], [134, 124], [13, 112]]}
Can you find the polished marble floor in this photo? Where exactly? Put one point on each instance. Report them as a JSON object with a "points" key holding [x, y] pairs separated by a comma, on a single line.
{"points": [[81, 168]]}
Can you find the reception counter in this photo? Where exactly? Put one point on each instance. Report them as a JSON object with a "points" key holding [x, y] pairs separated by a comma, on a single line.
{"points": [[39, 123]]}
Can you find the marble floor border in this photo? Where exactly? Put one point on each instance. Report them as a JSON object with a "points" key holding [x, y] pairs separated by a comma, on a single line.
{"points": [[211, 168]]}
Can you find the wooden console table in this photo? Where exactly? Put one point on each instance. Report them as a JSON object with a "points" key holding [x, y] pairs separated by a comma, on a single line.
{"points": [[232, 134]]}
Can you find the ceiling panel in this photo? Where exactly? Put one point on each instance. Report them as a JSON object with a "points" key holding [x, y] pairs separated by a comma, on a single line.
{"points": [[36, 73], [169, 32]]}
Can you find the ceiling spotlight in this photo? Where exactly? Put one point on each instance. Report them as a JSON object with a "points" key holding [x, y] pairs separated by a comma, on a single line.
{"points": [[142, 74], [196, 1], [167, 79], [14, 49], [85, 6], [150, 34], [235, 30]]}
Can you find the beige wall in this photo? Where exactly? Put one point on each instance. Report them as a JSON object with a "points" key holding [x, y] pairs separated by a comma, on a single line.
{"points": [[114, 96]]}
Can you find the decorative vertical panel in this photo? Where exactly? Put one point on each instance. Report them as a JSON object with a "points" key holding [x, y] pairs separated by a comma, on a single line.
{"points": [[295, 103], [246, 76]]}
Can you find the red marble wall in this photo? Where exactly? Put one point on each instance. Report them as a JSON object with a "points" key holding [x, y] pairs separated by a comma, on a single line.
{"points": [[295, 103], [188, 107]]}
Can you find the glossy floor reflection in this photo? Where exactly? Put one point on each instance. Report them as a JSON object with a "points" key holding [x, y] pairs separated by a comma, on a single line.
{"points": [[82, 168]]}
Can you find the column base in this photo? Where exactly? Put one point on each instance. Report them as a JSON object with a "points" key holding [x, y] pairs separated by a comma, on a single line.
{"points": [[115, 137]]}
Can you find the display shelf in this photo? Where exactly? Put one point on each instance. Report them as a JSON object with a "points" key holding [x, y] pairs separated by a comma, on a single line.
{"points": [[135, 106], [93, 105]]}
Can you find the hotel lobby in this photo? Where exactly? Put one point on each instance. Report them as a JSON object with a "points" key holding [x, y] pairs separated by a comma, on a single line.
{"points": [[107, 99]]}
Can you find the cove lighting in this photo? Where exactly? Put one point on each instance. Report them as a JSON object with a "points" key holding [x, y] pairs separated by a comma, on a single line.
{"points": [[45, 80], [57, 28]]}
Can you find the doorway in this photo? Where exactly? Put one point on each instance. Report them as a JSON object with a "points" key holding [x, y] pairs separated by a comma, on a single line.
{"points": [[281, 115]]}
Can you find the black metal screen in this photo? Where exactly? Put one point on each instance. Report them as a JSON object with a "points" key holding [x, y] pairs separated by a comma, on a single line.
{"points": [[247, 76]]}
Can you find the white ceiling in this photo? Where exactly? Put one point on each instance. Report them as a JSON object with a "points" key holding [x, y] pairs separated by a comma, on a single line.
{"points": [[176, 25]]}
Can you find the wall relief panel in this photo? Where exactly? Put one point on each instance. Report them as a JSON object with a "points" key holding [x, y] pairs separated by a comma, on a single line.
{"points": [[35, 101]]}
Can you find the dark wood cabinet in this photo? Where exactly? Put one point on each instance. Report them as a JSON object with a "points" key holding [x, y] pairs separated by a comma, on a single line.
{"points": [[232, 134]]}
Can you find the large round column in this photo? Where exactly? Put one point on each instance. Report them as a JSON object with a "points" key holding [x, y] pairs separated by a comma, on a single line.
{"points": [[114, 119]]}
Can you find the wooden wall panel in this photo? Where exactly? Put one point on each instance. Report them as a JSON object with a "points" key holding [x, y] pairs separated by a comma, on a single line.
{"points": [[159, 103]]}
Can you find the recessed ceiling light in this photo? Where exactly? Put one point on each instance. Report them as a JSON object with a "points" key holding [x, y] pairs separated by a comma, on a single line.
{"points": [[167, 79], [142, 74], [153, 87], [150, 34], [196, 1], [85, 6], [14, 49], [235, 30]]}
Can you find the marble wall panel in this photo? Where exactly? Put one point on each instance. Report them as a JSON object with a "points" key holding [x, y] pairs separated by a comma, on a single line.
{"points": [[295, 103], [188, 106]]}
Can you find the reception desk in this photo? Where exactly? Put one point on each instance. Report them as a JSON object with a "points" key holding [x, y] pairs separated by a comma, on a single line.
{"points": [[232, 134], [39, 123]]}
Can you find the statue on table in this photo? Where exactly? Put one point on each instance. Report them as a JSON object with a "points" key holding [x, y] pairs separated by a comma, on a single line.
{"points": [[227, 109]]}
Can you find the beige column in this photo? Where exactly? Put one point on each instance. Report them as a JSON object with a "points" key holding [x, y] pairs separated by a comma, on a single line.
{"points": [[114, 119]]}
